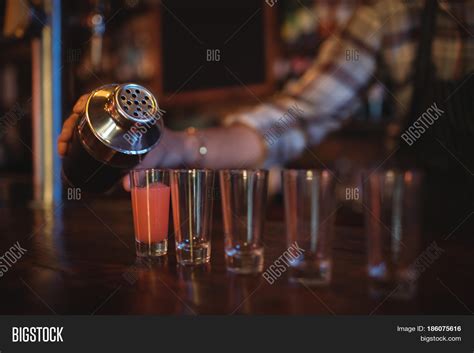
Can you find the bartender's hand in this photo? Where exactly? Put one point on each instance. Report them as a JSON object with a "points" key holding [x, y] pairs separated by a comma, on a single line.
{"points": [[68, 126]]}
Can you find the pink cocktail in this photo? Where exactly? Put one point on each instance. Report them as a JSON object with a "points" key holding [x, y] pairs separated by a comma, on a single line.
{"points": [[151, 206]]}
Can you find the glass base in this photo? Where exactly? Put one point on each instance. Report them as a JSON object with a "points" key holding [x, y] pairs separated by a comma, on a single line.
{"points": [[151, 249], [244, 262], [313, 274], [198, 254], [399, 285]]}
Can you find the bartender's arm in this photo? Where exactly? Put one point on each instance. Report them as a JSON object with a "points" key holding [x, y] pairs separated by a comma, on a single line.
{"points": [[235, 146]]}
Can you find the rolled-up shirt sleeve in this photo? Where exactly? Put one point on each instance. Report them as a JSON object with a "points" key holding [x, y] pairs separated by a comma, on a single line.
{"points": [[324, 97]]}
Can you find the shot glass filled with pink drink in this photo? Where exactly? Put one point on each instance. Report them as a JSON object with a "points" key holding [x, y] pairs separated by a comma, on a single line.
{"points": [[150, 193]]}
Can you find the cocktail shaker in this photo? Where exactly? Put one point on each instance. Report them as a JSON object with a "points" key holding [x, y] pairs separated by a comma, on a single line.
{"points": [[121, 123]]}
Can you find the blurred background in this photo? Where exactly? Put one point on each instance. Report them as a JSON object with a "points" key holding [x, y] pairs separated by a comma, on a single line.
{"points": [[54, 51]]}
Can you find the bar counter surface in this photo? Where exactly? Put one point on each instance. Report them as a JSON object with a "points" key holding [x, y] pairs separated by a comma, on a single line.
{"points": [[80, 259]]}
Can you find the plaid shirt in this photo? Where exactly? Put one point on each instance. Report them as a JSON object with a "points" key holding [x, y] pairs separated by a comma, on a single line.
{"points": [[382, 35]]}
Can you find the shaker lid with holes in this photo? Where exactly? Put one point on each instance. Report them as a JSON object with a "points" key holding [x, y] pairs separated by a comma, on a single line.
{"points": [[125, 117]]}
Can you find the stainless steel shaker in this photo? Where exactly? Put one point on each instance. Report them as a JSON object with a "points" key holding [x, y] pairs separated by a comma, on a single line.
{"points": [[120, 125]]}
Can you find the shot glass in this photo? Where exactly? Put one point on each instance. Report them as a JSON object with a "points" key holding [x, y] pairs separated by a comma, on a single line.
{"points": [[150, 193], [392, 224], [310, 208], [192, 214], [244, 196]]}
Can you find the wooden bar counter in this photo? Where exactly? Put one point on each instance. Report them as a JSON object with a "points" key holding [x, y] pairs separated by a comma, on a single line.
{"points": [[80, 259]]}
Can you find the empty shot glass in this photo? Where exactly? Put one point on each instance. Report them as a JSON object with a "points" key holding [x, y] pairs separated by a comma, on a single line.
{"points": [[244, 196], [150, 193], [310, 208], [392, 224], [192, 214]]}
